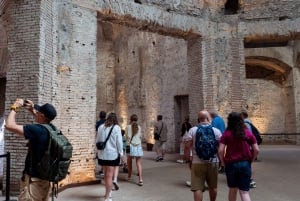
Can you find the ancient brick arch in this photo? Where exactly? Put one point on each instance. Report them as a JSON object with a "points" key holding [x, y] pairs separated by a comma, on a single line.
{"points": [[266, 68], [268, 81]]}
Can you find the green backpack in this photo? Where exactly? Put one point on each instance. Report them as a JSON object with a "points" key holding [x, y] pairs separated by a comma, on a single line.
{"points": [[55, 163]]}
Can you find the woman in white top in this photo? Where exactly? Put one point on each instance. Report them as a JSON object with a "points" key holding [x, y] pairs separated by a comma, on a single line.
{"points": [[133, 138], [109, 157]]}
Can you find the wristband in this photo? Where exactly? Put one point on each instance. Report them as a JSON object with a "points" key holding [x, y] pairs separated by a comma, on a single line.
{"points": [[14, 108]]}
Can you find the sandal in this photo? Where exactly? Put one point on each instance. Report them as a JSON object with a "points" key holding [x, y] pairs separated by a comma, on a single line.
{"points": [[128, 179], [141, 183]]}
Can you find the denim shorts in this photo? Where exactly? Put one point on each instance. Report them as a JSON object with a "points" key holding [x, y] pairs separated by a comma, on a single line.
{"points": [[238, 175]]}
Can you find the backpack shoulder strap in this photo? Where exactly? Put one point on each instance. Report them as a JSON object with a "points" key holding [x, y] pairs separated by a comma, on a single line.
{"points": [[200, 126], [51, 129]]}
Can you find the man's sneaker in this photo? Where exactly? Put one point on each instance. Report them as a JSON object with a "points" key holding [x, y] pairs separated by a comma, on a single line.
{"points": [[221, 170], [101, 173], [180, 161], [188, 183], [161, 158], [252, 184], [157, 158]]}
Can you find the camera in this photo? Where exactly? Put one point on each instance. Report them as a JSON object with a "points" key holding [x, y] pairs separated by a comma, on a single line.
{"points": [[25, 103]]}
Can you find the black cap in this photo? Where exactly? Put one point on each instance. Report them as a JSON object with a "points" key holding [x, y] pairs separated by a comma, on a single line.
{"points": [[47, 109]]}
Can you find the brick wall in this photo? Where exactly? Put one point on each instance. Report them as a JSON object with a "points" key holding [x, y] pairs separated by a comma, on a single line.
{"points": [[53, 49], [22, 74], [146, 72]]}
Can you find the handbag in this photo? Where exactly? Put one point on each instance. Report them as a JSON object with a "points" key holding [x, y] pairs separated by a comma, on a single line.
{"points": [[156, 135], [101, 145], [128, 146], [127, 149]]}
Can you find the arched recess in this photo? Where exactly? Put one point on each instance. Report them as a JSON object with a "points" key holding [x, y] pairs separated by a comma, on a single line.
{"points": [[270, 96], [261, 67]]}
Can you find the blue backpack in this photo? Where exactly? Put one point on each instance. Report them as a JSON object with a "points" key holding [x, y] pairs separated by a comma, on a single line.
{"points": [[206, 144]]}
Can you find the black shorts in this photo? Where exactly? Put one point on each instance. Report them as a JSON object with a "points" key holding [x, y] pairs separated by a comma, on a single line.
{"points": [[115, 162]]}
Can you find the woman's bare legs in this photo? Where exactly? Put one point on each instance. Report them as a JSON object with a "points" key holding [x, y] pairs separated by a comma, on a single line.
{"points": [[139, 167], [108, 175], [232, 194], [115, 177], [129, 166], [245, 195]]}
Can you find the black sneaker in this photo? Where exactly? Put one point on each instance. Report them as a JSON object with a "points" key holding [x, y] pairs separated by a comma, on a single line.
{"points": [[161, 158], [157, 158], [116, 186]]}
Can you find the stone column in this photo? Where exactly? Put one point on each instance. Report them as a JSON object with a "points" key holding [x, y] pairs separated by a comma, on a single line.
{"points": [[75, 35], [195, 71], [223, 74], [296, 76]]}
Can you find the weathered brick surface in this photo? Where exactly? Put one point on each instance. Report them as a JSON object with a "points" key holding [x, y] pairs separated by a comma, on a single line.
{"points": [[117, 55], [74, 93], [23, 73], [195, 71], [148, 71]]}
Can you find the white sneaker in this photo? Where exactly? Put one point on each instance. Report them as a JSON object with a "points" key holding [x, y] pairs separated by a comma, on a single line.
{"points": [[188, 183], [179, 161], [109, 199], [252, 184]]}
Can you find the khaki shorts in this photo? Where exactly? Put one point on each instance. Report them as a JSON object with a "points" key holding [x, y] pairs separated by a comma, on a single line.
{"points": [[204, 172], [34, 189]]}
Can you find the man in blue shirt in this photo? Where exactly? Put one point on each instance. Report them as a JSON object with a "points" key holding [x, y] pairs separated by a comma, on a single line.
{"points": [[217, 121]]}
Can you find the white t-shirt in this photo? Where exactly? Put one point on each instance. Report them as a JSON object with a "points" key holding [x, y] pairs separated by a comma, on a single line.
{"points": [[191, 135]]}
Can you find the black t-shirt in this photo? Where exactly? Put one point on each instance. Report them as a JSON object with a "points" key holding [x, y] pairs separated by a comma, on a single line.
{"points": [[38, 143]]}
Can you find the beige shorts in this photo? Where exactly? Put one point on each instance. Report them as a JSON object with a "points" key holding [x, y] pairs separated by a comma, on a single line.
{"points": [[204, 172], [34, 189]]}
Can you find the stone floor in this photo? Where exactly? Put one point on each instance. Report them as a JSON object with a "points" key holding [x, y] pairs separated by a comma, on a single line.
{"points": [[276, 173]]}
